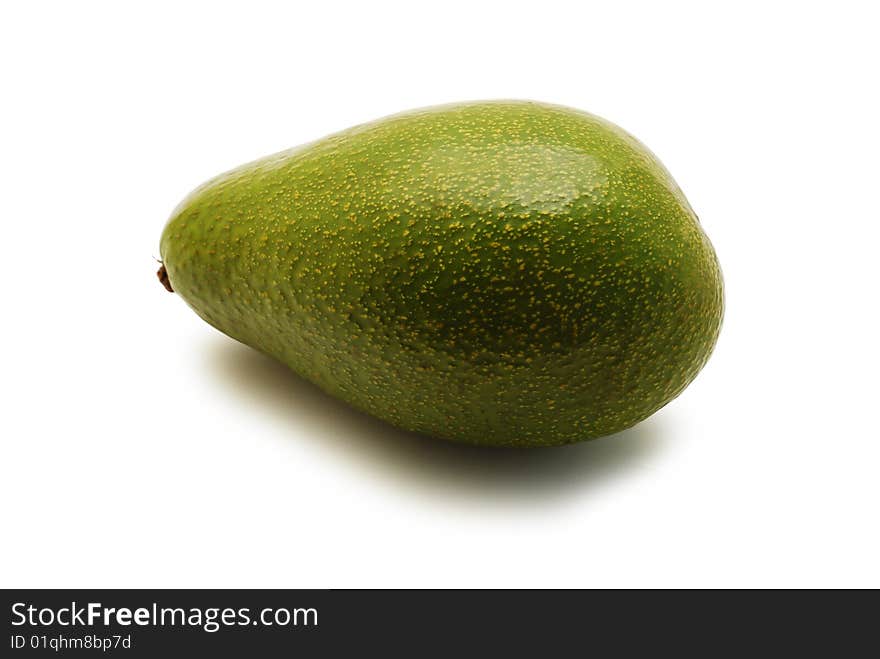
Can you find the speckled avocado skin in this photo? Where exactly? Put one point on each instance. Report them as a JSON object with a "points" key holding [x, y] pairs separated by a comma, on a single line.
{"points": [[500, 273]]}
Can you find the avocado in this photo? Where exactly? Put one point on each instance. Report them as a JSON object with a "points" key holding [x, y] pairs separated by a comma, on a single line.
{"points": [[505, 273]]}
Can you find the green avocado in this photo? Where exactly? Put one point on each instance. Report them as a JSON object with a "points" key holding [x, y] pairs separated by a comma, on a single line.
{"points": [[502, 273]]}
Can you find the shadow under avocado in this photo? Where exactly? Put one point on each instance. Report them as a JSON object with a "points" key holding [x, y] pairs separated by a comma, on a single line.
{"points": [[420, 461]]}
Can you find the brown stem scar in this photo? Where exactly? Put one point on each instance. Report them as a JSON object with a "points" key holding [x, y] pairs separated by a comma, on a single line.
{"points": [[163, 277]]}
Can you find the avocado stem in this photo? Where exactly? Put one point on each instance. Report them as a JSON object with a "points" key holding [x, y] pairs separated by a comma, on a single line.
{"points": [[163, 277]]}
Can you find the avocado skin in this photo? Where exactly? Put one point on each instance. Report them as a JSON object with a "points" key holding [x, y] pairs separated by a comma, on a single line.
{"points": [[502, 273]]}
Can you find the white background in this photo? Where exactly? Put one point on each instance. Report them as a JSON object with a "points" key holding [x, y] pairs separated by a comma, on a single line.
{"points": [[142, 448]]}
